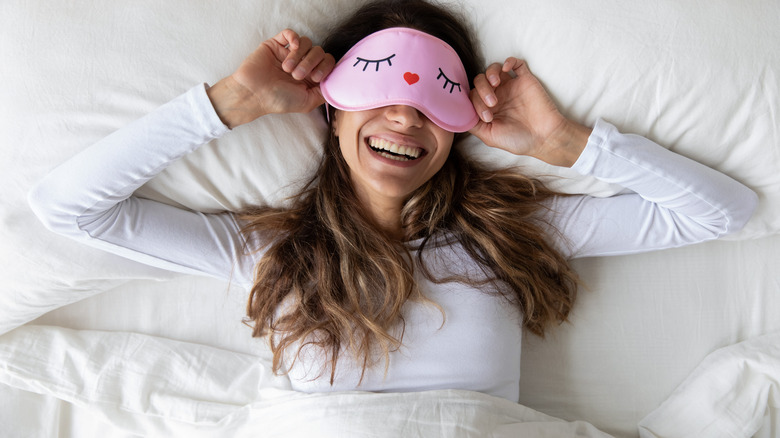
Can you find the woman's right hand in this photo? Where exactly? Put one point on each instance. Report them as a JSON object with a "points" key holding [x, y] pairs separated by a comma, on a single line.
{"points": [[281, 76]]}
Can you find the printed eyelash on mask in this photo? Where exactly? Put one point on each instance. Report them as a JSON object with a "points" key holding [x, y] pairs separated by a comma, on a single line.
{"points": [[447, 81], [377, 62]]}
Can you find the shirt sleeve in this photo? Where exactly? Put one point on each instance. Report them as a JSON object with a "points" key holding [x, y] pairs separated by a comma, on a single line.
{"points": [[89, 197], [674, 201]]}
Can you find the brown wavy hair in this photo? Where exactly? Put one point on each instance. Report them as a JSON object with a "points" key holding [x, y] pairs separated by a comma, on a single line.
{"points": [[329, 279]]}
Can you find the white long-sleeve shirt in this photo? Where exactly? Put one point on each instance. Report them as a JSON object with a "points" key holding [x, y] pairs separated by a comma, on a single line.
{"points": [[675, 202]]}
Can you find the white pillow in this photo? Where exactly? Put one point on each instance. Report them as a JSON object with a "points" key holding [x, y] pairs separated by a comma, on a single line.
{"points": [[700, 81]]}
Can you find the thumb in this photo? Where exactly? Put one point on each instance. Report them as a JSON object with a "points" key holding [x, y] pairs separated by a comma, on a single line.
{"points": [[481, 130], [314, 98]]}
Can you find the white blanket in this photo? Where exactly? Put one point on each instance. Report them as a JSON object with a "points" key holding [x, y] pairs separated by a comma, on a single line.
{"points": [[733, 393], [152, 386]]}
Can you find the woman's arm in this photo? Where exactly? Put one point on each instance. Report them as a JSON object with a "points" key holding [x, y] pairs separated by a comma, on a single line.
{"points": [[676, 201], [89, 197]]}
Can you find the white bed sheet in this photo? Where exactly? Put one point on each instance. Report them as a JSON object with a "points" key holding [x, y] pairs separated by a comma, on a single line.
{"points": [[700, 80], [644, 323]]}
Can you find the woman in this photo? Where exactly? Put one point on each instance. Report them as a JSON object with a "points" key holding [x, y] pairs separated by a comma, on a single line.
{"points": [[401, 266]]}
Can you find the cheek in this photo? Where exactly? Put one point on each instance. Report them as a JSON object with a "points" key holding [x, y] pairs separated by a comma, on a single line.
{"points": [[445, 140], [442, 154], [342, 123], [348, 152], [345, 136]]}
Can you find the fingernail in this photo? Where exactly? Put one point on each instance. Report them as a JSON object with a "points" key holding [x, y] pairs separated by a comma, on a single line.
{"points": [[486, 116], [316, 76], [493, 79], [491, 100], [288, 65], [299, 73]]}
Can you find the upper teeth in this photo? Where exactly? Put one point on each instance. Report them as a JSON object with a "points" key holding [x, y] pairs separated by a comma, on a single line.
{"points": [[409, 151]]}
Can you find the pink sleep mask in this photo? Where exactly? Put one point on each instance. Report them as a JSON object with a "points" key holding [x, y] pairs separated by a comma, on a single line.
{"points": [[403, 66]]}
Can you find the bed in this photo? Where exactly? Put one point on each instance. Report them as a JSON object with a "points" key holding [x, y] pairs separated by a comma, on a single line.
{"points": [[676, 343]]}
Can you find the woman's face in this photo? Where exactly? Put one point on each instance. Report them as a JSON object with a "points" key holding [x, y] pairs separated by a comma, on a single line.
{"points": [[391, 151]]}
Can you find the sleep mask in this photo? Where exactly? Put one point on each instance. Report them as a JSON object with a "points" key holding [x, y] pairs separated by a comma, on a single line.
{"points": [[403, 66]]}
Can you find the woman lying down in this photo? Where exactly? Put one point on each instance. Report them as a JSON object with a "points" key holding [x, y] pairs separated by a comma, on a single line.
{"points": [[401, 265]]}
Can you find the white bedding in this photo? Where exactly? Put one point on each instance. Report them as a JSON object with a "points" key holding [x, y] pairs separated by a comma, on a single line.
{"points": [[148, 386], [151, 386], [700, 79]]}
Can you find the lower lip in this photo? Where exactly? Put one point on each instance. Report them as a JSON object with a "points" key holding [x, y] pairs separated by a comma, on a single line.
{"points": [[389, 161]]}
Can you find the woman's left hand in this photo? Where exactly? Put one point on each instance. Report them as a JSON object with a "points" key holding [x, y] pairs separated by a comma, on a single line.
{"points": [[517, 115]]}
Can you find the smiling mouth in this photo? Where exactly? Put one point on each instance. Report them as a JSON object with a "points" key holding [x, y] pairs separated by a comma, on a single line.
{"points": [[394, 151]]}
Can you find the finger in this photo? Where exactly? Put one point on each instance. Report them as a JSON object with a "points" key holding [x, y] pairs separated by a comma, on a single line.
{"points": [[312, 64], [514, 65], [482, 109], [287, 39], [324, 68], [485, 90], [315, 98], [479, 130], [297, 52], [493, 74]]}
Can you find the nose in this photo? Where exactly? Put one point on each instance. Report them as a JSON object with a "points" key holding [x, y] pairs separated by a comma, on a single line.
{"points": [[404, 115]]}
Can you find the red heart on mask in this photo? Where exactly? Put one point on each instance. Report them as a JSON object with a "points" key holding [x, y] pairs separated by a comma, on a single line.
{"points": [[411, 78]]}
